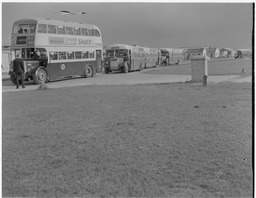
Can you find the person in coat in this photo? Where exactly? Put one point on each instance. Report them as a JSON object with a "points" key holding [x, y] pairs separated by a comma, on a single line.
{"points": [[18, 68]]}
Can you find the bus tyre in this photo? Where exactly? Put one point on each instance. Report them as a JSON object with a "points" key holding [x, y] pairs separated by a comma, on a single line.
{"points": [[88, 71], [40, 76]]}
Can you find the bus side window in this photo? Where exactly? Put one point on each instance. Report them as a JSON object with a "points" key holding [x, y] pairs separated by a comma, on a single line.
{"points": [[85, 55], [92, 54], [51, 29], [61, 29], [69, 30], [78, 55], [84, 32], [62, 56], [96, 32], [42, 28], [70, 55], [77, 31], [53, 55], [91, 32]]}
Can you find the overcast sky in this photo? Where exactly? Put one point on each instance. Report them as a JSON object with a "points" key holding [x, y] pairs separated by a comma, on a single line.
{"points": [[149, 24]]}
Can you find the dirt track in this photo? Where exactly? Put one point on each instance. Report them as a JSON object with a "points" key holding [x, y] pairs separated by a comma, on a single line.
{"points": [[177, 140]]}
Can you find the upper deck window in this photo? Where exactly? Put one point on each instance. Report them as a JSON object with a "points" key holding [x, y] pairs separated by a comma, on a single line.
{"points": [[32, 28], [96, 33], [91, 32], [77, 31], [24, 28], [51, 29], [69, 30], [84, 32], [42, 28], [61, 29]]}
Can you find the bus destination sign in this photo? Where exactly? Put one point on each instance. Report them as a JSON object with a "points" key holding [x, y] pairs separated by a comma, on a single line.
{"points": [[21, 40]]}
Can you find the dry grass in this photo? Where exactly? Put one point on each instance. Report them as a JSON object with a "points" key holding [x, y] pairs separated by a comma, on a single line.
{"points": [[176, 140]]}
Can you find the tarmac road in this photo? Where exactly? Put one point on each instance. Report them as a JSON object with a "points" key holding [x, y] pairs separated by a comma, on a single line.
{"points": [[121, 78]]}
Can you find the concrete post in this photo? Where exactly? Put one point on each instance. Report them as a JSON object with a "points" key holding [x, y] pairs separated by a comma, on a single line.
{"points": [[199, 69]]}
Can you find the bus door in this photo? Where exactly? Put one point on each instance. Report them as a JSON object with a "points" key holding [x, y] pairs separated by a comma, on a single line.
{"points": [[98, 61], [130, 58], [158, 58]]}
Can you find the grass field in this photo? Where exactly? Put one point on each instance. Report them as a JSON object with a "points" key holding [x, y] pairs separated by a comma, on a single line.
{"points": [[176, 140]]}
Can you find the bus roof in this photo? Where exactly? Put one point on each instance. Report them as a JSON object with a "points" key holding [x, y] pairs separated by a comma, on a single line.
{"points": [[119, 46], [175, 50], [54, 21], [131, 47]]}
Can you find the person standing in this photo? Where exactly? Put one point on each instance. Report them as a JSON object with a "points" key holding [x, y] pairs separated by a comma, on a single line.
{"points": [[18, 68]]}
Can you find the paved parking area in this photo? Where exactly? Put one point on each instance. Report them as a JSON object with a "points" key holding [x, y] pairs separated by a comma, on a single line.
{"points": [[120, 78]]}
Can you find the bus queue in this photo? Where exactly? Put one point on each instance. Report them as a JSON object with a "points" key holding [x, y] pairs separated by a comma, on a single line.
{"points": [[53, 49]]}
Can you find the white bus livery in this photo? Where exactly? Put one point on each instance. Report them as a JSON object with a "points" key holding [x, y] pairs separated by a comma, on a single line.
{"points": [[125, 58], [53, 49]]}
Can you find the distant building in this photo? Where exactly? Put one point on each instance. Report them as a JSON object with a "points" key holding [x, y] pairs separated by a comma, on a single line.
{"points": [[190, 52], [231, 52], [212, 52], [5, 57], [224, 52], [246, 52]]}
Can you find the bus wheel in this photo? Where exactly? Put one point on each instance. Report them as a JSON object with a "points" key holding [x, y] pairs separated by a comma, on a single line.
{"points": [[88, 71], [40, 76]]}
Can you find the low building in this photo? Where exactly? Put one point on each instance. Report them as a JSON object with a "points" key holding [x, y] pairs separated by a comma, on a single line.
{"points": [[224, 52], [227, 52], [212, 52], [190, 52], [246, 52]]}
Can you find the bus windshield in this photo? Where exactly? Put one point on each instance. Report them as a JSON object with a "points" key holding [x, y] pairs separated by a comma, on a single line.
{"points": [[31, 53], [24, 28], [121, 53], [110, 53], [164, 53], [117, 53]]}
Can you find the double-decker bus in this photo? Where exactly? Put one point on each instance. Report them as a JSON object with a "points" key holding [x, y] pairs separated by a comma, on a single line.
{"points": [[53, 49], [171, 56], [125, 58]]}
